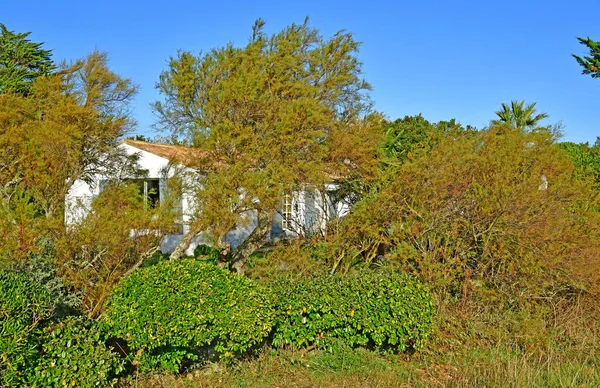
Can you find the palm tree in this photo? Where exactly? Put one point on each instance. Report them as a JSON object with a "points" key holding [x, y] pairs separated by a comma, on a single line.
{"points": [[519, 116]]}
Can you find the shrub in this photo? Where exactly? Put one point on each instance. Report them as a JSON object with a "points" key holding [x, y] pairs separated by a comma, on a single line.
{"points": [[212, 254], [169, 312], [24, 305], [381, 310], [112, 240], [499, 212], [74, 353], [41, 268]]}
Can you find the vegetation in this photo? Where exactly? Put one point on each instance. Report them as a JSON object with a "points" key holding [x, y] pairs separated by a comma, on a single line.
{"points": [[413, 136], [96, 252], [64, 130], [483, 210], [379, 310], [24, 306], [73, 353], [591, 63], [37, 352], [586, 159], [520, 116], [284, 111], [469, 257], [21, 61], [169, 313], [358, 368]]}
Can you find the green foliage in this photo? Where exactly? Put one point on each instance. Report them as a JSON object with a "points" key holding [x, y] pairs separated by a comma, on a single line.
{"points": [[586, 159], [499, 211], [40, 266], [591, 63], [73, 353], [358, 368], [21, 61], [41, 269], [283, 111], [154, 259], [112, 240], [413, 136], [402, 140], [172, 311], [63, 130], [24, 306], [520, 116], [21, 227], [212, 254], [382, 310], [37, 354]]}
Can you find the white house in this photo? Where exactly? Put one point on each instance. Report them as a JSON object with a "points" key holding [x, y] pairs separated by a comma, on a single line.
{"points": [[301, 212]]}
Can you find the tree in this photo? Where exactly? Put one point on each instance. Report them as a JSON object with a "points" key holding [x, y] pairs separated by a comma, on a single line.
{"points": [[591, 63], [501, 210], [21, 61], [113, 240], [402, 140], [63, 130], [520, 116], [282, 113], [586, 159], [413, 136]]}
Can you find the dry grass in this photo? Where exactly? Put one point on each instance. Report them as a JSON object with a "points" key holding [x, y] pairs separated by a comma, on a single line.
{"points": [[476, 368], [472, 347]]}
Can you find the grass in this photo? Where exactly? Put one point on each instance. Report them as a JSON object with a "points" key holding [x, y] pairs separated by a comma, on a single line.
{"points": [[363, 368], [471, 347]]}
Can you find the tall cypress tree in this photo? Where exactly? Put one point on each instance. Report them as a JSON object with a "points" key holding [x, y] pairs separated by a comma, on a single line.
{"points": [[591, 63], [21, 61]]}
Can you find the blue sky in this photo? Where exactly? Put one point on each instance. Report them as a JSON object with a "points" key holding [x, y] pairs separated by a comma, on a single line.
{"points": [[444, 59]]}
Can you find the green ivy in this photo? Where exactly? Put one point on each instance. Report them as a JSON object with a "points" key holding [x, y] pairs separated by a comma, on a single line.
{"points": [[387, 311], [24, 306], [73, 353], [170, 312]]}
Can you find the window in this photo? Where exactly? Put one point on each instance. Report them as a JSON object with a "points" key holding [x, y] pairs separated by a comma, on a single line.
{"points": [[148, 188], [153, 190], [286, 214], [310, 211]]}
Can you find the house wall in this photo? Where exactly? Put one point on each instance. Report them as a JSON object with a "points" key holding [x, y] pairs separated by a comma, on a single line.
{"points": [[80, 196], [311, 209]]}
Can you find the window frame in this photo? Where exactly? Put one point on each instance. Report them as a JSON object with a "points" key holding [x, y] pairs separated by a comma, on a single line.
{"points": [[287, 212]]}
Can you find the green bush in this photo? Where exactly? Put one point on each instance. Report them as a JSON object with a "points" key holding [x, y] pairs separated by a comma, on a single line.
{"points": [[24, 306], [170, 312], [373, 309], [41, 267], [74, 353], [212, 254]]}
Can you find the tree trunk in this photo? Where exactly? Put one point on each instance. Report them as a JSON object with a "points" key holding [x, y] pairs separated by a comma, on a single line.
{"points": [[184, 244], [254, 241]]}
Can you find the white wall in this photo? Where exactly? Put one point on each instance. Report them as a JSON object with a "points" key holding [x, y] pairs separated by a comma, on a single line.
{"points": [[81, 194], [310, 212], [312, 209]]}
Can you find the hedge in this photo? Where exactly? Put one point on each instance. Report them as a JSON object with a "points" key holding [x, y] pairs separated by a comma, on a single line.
{"points": [[170, 312], [24, 306], [372, 309], [73, 353]]}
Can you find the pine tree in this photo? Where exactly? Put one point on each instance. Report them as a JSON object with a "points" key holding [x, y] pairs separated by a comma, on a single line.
{"points": [[21, 61], [591, 63]]}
